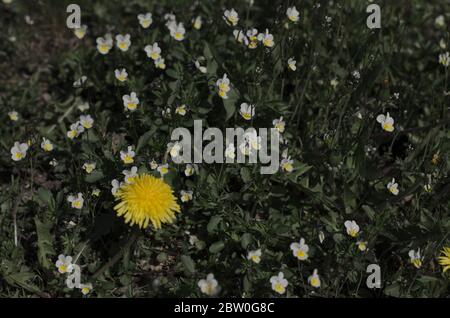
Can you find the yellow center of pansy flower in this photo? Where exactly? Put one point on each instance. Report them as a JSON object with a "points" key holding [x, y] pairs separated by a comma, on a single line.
{"points": [[268, 42], [247, 116], [164, 170], [178, 36], [255, 258], [128, 159], [154, 55], [279, 288], [352, 233], [18, 155], [79, 33], [85, 290], [416, 262], [148, 199], [77, 204], [48, 147], [131, 106], [314, 282], [224, 87], [301, 254], [103, 48], [288, 167], [72, 134], [388, 127], [62, 268]]}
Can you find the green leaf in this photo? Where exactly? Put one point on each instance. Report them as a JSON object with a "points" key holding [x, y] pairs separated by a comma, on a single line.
{"points": [[216, 247], [95, 176], [246, 239], [188, 263], [46, 197], [44, 243], [144, 139], [213, 222]]}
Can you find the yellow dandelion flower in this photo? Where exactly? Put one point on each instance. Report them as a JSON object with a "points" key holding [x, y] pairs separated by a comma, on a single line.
{"points": [[444, 259], [146, 199]]}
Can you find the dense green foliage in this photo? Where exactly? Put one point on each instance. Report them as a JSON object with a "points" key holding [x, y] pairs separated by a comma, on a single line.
{"points": [[346, 76]]}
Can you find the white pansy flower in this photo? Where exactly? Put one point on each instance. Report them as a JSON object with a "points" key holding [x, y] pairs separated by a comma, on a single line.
{"points": [[240, 37], [79, 82], [86, 121], [123, 42], [279, 283], [46, 144], [86, 288], [231, 17], [160, 63], [279, 124], [292, 14], [362, 245], [145, 20], [444, 59], [223, 84], [13, 115], [153, 164], [393, 187], [89, 167], [352, 228], [440, 21], [181, 110], [77, 201], [19, 151], [247, 111], [130, 174], [121, 75], [130, 102], [314, 279], [198, 66], [292, 64], [83, 107], [321, 237], [163, 169], [266, 38], [186, 195], [252, 36], [287, 164], [254, 256], [387, 122], [300, 250], [64, 264], [334, 83], [415, 258], [80, 32], [177, 31], [193, 239], [174, 149], [104, 44], [209, 286], [115, 186], [75, 130], [127, 156], [189, 170], [197, 23], [153, 51]]}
